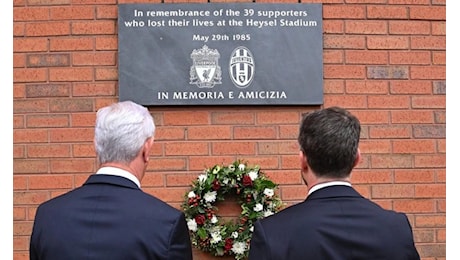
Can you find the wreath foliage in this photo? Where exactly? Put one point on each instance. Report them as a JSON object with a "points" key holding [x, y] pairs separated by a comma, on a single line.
{"points": [[256, 194]]}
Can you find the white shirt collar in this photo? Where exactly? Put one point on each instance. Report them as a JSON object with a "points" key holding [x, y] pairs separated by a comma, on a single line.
{"points": [[327, 184], [119, 172]]}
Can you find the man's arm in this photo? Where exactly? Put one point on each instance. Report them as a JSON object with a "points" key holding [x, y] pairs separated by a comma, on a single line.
{"points": [[259, 250], [180, 244]]}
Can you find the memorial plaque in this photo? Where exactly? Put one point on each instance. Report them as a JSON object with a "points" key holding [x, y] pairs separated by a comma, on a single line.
{"points": [[220, 54]]}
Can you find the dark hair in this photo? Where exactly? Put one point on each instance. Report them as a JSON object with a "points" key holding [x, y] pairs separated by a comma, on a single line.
{"points": [[329, 138]]}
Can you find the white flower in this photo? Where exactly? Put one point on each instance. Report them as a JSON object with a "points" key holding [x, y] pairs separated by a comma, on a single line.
{"points": [[268, 213], [225, 181], [214, 219], [251, 229], [258, 207], [231, 167], [253, 175], [241, 167], [216, 169], [234, 234], [202, 177], [191, 223], [210, 196], [269, 192], [239, 248], [215, 237], [191, 194]]}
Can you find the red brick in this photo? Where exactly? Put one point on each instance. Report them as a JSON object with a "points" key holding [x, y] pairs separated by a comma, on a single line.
{"points": [[186, 118], [387, 42], [210, 132], [71, 74], [432, 161], [29, 75], [72, 13], [277, 117], [19, 60], [427, 12], [429, 102], [83, 150], [410, 87], [344, 42], [30, 106], [48, 182], [389, 132], [167, 164], [94, 27], [333, 26], [169, 194], [48, 28], [30, 14], [344, 71], [393, 191], [375, 146], [371, 176], [60, 135], [71, 105], [430, 221], [30, 136], [410, 27], [439, 58], [433, 72], [438, 28], [94, 89], [106, 43], [344, 11], [152, 180], [106, 12], [290, 162], [20, 182], [106, 74], [71, 44], [333, 57], [83, 119], [430, 191], [180, 180], [48, 151], [253, 132], [366, 27], [186, 148], [388, 72], [285, 177], [391, 102], [48, 60], [72, 165], [233, 148], [366, 57], [414, 57], [372, 116], [414, 146], [293, 192], [276, 148], [391, 161], [349, 101], [229, 117], [288, 131], [332, 86], [47, 90], [415, 206], [411, 116], [94, 58], [414, 176], [428, 42], [387, 12], [30, 197]]}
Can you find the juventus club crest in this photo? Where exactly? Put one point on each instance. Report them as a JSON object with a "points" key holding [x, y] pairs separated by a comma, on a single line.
{"points": [[205, 71], [241, 67]]}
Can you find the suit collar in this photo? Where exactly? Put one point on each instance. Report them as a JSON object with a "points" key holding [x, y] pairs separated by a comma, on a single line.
{"points": [[334, 191], [111, 179]]}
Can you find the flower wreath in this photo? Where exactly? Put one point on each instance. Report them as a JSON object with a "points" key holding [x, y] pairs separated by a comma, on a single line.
{"points": [[256, 195]]}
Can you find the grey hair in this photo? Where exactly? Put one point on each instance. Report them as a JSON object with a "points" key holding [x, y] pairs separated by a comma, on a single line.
{"points": [[121, 131]]}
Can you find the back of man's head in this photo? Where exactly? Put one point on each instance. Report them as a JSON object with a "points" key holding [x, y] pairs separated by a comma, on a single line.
{"points": [[329, 139], [121, 130]]}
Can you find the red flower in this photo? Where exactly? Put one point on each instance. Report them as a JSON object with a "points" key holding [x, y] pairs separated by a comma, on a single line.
{"points": [[215, 185], [228, 244], [247, 180], [200, 219]]}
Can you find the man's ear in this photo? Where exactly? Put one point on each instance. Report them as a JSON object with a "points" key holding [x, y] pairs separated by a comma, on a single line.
{"points": [[303, 161], [358, 158], [146, 149]]}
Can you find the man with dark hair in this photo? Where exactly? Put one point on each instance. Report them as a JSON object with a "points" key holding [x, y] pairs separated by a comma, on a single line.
{"points": [[334, 221]]}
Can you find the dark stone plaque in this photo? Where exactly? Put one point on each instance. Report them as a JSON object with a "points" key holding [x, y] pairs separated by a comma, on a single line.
{"points": [[220, 54]]}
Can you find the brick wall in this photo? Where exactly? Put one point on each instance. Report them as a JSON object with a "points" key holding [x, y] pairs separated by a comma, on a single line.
{"points": [[385, 60]]}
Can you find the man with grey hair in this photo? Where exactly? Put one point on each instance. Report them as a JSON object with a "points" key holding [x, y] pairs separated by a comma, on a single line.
{"points": [[109, 216]]}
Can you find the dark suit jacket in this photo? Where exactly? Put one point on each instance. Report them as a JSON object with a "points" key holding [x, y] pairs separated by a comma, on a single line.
{"points": [[336, 223], [109, 218]]}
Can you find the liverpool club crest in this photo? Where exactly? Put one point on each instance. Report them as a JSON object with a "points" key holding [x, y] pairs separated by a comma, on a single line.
{"points": [[205, 71]]}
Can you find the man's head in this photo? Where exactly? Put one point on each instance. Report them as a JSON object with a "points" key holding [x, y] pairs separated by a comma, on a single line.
{"points": [[122, 130], [328, 140]]}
